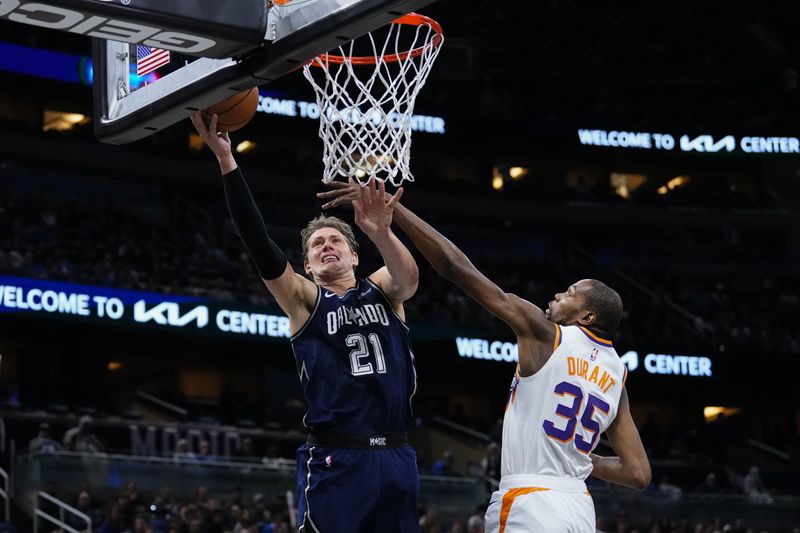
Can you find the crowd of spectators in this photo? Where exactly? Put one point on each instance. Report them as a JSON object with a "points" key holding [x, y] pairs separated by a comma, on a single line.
{"points": [[80, 438], [656, 270], [131, 511], [687, 471]]}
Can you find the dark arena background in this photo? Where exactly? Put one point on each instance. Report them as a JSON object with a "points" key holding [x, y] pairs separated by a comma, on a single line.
{"points": [[654, 146]]}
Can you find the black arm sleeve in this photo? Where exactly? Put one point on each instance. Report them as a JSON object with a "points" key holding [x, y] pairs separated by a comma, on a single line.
{"points": [[269, 259]]}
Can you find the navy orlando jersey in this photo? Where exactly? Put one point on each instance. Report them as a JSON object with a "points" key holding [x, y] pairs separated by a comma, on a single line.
{"points": [[355, 364]]}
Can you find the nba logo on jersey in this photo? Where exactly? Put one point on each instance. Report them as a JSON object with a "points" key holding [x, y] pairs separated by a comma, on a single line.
{"points": [[593, 356]]}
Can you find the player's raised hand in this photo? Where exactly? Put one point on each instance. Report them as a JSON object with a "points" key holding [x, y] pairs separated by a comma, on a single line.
{"points": [[218, 142], [341, 193], [373, 208]]}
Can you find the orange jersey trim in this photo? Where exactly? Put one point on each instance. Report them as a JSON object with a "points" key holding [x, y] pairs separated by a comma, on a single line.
{"points": [[557, 341], [508, 500], [595, 338], [513, 395]]}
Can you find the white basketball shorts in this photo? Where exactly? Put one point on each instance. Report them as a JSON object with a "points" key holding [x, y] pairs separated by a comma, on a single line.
{"points": [[540, 504]]}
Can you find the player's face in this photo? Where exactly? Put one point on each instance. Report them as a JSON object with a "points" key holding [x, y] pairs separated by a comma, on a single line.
{"points": [[568, 307], [329, 254]]}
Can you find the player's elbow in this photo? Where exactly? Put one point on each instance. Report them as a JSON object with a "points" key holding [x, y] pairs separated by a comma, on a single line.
{"points": [[641, 477]]}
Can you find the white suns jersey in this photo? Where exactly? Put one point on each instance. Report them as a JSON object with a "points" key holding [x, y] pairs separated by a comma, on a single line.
{"points": [[554, 418]]}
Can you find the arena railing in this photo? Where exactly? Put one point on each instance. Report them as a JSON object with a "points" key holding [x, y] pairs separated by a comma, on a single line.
{"points": [[63, 509], [106, 474], [4, 493]]}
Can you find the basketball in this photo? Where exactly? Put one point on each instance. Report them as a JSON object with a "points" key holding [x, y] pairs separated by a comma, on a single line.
{"points": [[234, 112]]}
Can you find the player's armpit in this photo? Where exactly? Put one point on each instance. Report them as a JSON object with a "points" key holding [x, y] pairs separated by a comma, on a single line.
{"points": [[631, 468]]}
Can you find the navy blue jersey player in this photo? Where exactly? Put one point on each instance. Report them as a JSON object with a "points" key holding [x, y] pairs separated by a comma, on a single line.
{"points": [[357, 472]]}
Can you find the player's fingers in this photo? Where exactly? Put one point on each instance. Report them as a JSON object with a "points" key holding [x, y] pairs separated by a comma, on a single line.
{"points": [[365, 195], [381, 192], [212, 125], [396, 198], [359, 208], [372, 193], [338, 185], [199, 124]]}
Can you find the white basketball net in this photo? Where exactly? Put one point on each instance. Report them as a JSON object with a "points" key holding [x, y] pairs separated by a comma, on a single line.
{"points": [[366, 110]]}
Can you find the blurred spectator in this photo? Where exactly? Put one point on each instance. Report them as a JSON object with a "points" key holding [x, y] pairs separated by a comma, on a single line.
{"points": [[113, 521], [458, 526], [42, 443], [81, 438], [754, 488], [140, 525], [163, 505], [132, 502], [430, 523], [246, 522], [204, 452], [476, 523], [490, 464], [444, 466], [668, 489], [709, 485], [85, 505], [182, 452], [247, 451]]}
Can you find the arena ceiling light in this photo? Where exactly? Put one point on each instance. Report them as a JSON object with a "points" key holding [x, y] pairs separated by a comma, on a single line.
{"points": [[497, 179], [62, 121], [245, 146], [624, 184], [674, 183], [516, 173], [711, 413]]}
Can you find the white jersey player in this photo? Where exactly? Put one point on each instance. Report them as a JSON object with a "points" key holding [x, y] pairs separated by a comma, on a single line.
{"points": [[553, 421], [569, 388]]}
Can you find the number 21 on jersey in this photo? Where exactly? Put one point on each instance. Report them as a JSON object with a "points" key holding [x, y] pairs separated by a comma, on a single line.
{"points": [[572, 412], [360, 352]]}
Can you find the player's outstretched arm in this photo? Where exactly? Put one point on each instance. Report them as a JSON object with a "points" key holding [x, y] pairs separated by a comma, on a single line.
{"points": [[631, 467], [374, 208], [293, 293], [451, 263], [527, 320]]}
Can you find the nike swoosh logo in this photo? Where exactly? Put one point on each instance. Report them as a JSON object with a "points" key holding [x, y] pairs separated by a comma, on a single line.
{"points": [[366, 292], [329, 294]]}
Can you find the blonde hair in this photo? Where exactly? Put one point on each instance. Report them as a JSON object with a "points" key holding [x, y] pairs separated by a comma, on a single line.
{"points": [[324, 221]]}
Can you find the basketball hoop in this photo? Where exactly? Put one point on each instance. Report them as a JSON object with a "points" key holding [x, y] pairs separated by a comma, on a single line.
{"points": [[366, 114]]}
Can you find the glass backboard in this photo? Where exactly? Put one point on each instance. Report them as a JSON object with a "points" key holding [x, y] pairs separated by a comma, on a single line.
{"points": [[130, 107]]}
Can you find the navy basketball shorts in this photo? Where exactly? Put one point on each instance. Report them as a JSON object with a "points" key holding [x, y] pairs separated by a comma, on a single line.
{"points": [[357, 490]]}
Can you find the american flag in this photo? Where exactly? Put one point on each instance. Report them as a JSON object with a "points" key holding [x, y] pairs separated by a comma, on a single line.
{"points": [[148, 59]]}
